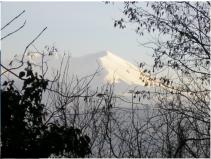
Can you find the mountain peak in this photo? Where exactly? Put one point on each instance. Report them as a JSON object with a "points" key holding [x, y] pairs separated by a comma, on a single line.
{"points": [[108, 52], [116, 69], [103, 53]]}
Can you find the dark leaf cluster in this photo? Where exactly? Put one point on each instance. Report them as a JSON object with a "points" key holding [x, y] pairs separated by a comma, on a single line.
{"points": [[25, 132]]}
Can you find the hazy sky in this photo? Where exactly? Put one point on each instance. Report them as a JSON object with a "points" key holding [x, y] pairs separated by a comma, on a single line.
{"points": [[78, 27]]}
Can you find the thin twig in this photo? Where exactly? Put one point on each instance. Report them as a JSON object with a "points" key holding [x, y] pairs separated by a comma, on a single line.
{"points": [[25, 51], [14, 31], [12, 20]]}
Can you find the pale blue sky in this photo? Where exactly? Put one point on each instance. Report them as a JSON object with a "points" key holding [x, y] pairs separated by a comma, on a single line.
{"points": [[78, 27]]}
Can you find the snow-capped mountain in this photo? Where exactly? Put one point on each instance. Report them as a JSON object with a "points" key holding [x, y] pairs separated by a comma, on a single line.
{"points": [[110, 68], [113, 68]]}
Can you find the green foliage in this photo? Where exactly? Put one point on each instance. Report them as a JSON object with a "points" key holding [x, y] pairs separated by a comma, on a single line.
{"points": [[25, 132]]}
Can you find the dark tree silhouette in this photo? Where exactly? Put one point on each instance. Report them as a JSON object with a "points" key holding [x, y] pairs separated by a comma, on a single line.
{"points": [[181, 45], [183, 42], [25, 132], [174, 123], [27, 127]]}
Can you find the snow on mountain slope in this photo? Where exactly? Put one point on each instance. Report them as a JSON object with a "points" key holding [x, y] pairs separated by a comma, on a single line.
{"points": [[120, 70], [113, 69]]}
